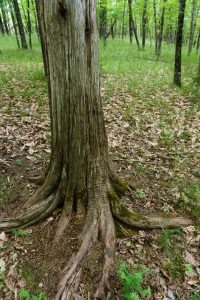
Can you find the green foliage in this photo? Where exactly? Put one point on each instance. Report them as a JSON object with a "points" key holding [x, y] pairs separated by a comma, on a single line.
{"points": [[140, 193], [19, 232], [195, 297], [191, 197], [189, 270], [169, 241], [169, 238], [26, 295], [166, 208], [18, 161], [132, 282]]}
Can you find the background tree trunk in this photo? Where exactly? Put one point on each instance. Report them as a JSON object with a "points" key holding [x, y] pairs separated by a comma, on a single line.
{"points": [[161, 27], [41, 27], [35, 17], [2, 26], [103, 21], [155, 26], [4, 17], [14, 24], [123, 20], [144, 22], [179, 40], [192, 27], [198, 42], [29, 27], [132, 27], [130, 21], [20, 24]]}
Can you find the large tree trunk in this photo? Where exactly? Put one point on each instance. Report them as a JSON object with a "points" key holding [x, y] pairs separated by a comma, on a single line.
{"points": [[179, 40], [20, 24], [80, 178], [144, 23], [192, 27]]}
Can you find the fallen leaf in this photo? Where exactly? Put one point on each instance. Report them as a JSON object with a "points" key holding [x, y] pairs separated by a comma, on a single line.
{"points": [[190, 259], [3, 239]]}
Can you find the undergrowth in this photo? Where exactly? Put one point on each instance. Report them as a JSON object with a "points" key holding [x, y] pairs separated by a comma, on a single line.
{"points": [[26, 295], [132, 283]]}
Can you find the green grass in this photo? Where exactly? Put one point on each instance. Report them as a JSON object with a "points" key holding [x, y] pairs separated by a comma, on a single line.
{"points": [[10, 54], [190, 197], [174, 264], [145, 73]]}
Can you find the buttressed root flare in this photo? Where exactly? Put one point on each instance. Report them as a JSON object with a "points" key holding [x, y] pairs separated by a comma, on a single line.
{"points": [[105, 209]]}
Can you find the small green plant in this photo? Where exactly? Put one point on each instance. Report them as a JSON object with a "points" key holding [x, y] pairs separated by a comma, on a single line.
{"points": [[19, 232], [189, 270], [140, 193], [26, 295], [168, 238], [18, 161], [166, 208], [177, 266], [166, 137], [128, 114], [191, 196], [169, 242], [132, 282], [195, 297]]}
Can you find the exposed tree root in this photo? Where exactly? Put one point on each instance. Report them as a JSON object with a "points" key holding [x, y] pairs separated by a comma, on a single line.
{"points": [[131, 218], [104, 206], [64, 221], [70, 291], [74, 263], [50, 184], [38, 180]]}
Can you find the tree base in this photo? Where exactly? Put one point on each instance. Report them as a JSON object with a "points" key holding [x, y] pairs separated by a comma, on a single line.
{"points": [[105, 216]]}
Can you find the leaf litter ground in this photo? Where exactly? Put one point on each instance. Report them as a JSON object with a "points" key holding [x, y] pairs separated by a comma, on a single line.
{"points": [[154, 141]]}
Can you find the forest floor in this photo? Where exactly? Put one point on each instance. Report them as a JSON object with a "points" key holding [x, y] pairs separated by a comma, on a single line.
{"points": [[154, 138]]}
